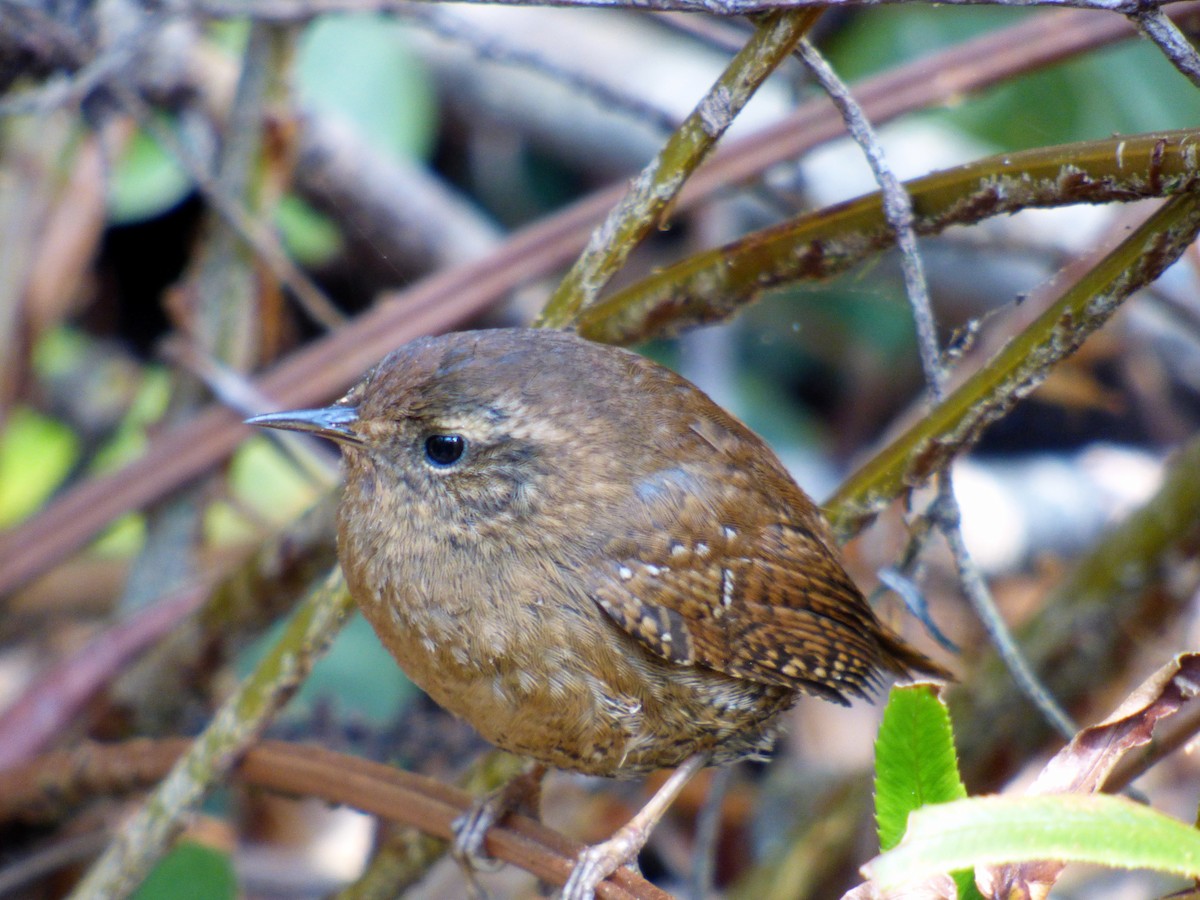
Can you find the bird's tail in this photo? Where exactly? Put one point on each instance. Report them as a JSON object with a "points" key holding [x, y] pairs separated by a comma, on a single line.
{"points": [[907, 661]]}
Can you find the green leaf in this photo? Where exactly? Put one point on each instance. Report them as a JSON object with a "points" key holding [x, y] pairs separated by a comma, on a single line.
{"points": [[190, 872], [1126, 88], [915, 763], [1091, 828]]}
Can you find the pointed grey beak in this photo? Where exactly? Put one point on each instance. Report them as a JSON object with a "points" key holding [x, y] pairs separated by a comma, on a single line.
{"points": [[333, 422]]}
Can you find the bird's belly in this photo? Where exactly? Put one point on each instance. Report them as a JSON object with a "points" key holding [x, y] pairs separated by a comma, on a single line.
{"points": [[577, 694]]}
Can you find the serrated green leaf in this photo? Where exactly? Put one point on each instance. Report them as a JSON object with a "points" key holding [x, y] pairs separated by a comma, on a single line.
{"points": [[915, 762], [190, 872], [915, 765], [1091, 828]]}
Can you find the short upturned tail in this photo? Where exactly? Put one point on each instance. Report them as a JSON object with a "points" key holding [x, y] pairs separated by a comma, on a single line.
{"points": [[907, 661]]}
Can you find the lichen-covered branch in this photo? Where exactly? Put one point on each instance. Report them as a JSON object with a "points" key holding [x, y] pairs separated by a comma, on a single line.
{"points": [[714, 285], [300, 10], [238, 723], [655, 189], [952, 426]]}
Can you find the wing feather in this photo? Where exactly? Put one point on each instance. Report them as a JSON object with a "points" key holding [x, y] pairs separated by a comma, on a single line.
{"points": [[763, 599]]}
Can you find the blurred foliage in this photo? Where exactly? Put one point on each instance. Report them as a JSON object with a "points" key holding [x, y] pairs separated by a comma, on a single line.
{"points": [[191, 872], [307, 235], [357, 674], [146, 181], [1123, 89], [358, 69], [36, 453]]}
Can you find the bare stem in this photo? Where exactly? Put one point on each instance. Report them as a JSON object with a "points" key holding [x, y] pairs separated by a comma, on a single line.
{"points": [[1154, 24], [655, 189], [238, 724]]}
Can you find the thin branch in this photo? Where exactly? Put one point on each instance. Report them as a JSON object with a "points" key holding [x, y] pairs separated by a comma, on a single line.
{"points": [[948, 516], [303, 10], [657, 187], [235, 727], [76, 776], [1154, 24], [898, 211], [948, 429]]}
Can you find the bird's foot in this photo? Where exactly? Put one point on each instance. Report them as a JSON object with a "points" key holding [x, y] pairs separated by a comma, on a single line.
{"points": [[597, 862], [521, 794]]}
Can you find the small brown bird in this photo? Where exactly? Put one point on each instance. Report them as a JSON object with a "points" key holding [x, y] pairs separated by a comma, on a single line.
{"points": [[583, 556]]}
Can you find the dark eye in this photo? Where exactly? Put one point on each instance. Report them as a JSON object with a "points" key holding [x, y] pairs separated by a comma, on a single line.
{"points": [[445, 449]]}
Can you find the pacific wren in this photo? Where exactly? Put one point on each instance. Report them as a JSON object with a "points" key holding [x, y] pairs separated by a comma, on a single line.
{"points": [[582, 555]]}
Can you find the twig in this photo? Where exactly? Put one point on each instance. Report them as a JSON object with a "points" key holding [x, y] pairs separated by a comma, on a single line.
{"points": [[488, 47], [658, 185], [302, 10], [708, 831], [236, 726], [376, 788], [946, 514], [58, 696], [948, 517], [897, 210], [1154, 24]]}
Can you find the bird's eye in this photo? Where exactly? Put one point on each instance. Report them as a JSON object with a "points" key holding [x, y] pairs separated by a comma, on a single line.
{"points": [[445, 449]]}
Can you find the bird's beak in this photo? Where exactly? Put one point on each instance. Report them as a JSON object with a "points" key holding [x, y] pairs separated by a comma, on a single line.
{"points": [[333, 422]]}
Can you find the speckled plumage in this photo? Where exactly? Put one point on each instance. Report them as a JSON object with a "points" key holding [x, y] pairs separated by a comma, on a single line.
{"points": [[617, 574]]}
